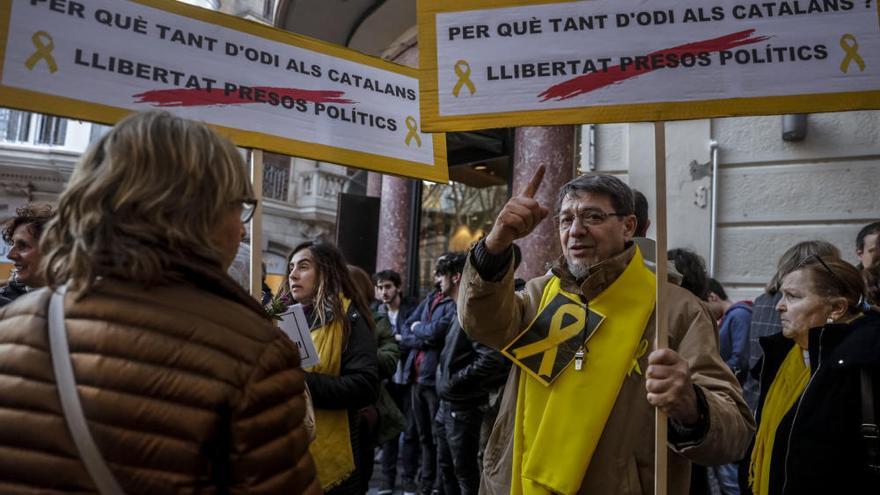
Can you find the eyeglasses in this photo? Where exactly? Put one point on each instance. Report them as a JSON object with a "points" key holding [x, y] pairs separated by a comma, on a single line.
{"points": [[586, 218], [248, 207]]}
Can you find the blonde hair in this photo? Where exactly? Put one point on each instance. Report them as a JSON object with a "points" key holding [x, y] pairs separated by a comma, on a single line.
{"points": [[146, 195]]}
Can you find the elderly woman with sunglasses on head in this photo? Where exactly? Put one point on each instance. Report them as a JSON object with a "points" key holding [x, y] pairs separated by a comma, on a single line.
{"points": [[810, 437]]}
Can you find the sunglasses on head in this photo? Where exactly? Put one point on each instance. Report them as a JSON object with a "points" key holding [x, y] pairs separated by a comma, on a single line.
{"points": [[815, 257]]}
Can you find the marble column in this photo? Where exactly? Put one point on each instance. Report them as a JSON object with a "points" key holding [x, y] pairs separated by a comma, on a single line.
{"points": [[394, 223], [394, 217], [552, 147]]}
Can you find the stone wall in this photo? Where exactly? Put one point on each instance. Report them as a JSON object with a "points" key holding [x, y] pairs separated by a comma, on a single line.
{"points": [[772, 193]]}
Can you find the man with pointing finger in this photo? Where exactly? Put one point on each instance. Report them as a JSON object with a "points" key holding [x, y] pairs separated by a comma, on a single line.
{"points": [[578, 409]]}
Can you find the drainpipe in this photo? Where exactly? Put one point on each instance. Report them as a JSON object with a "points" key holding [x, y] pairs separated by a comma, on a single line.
{"points": [[713, 150], [589, 144], [592, 147]]}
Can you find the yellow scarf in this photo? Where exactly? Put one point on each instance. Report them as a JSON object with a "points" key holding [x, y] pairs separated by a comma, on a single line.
{"points": [[557, 427], [786, 389], [331, 449]]}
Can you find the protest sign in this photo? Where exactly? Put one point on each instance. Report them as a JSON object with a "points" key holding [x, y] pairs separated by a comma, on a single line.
{"points": [[294, 325], [501, 63], [264, 88]]}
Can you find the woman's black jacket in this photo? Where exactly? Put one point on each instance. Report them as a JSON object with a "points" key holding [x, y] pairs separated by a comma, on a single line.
{"points": [[358, 380], [818, 446]]}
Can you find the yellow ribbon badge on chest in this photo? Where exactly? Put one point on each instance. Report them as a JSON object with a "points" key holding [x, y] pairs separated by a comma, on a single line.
{"points": [[549, 344]]}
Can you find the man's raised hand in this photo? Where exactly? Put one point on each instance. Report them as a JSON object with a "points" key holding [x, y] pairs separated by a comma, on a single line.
{"points": [[518, 218]]}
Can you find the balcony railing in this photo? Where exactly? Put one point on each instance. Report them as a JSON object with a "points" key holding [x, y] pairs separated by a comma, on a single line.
{"points": [[321, 184]]}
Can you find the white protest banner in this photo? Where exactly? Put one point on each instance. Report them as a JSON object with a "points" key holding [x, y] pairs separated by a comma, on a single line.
{"points": [[500, 63], [294, 325], [264, 88]]}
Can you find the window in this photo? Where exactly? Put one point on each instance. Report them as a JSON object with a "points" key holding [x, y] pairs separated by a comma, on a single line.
{"points": [[32, 128], [276, 176], [14, 125], [453, 216], [268, 10], [51, 130]]}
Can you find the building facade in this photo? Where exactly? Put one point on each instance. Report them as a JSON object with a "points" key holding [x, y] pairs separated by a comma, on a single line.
{"points": [[771, 192]]}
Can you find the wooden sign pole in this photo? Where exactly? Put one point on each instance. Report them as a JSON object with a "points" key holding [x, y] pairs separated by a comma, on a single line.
{"points": [[256, 261], [661, 338]]}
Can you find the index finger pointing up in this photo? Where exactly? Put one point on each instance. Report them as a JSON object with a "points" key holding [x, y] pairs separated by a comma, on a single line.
{"points": [[535, 183]]}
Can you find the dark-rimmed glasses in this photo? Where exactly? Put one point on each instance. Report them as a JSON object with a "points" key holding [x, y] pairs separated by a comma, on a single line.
{"points": [[588, 217], [248, 207]]}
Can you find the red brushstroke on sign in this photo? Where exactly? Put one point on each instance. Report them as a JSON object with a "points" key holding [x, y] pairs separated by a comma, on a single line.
{"points": [[202, 97], [597, 80]]}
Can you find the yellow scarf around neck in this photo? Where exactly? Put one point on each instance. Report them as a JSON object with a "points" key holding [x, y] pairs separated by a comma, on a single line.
{"points": [[331, 449], [786, 389], [557, 427]]}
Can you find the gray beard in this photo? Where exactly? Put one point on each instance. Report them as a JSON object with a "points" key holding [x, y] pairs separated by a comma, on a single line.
{"points": [[579, 271]]}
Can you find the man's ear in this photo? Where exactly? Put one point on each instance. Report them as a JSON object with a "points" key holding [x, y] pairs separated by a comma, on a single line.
{"points": [[629, 226], [456, 278]]}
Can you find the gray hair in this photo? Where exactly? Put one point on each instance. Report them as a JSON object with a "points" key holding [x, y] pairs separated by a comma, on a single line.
{"points": [[621, 195]]}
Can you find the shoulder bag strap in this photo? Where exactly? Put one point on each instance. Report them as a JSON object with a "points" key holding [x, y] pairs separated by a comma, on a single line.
{"points": [[869, 430], [70, 404]]}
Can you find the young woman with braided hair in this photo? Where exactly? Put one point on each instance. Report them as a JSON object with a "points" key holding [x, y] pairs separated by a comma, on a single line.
{"points": [[346, 378]]}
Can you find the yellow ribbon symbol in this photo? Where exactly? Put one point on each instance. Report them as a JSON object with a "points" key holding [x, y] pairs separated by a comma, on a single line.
{"points": [[556, 335], [413, 133], [851, 49], [642, 349], [463, 71], [44, 45]]}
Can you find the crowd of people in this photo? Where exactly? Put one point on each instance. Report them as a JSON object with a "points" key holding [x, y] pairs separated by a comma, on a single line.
{"points": [[132, 363]]}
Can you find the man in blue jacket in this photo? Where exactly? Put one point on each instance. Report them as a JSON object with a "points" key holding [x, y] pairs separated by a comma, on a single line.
{"points": [[423, 336], [733, 328], [733, 334]]}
